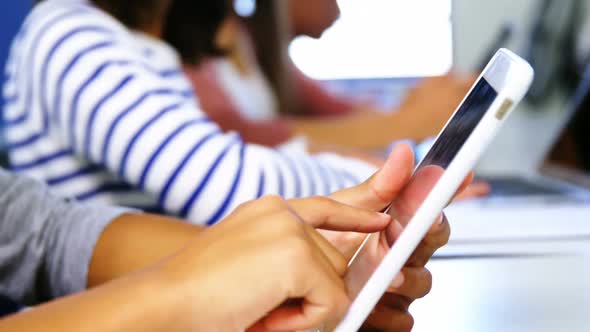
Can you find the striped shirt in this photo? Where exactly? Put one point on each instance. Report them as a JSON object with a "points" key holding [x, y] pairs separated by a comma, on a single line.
{"points": [[106, 115]]}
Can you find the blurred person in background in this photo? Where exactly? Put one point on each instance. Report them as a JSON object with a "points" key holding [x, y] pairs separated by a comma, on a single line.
{"points": [[101, 110], [247, 83]]}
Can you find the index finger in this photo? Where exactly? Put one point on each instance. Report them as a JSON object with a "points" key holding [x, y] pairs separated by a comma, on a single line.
{"points": [[333, 256], [325, 213], [466, 182], [437, 237], [380, 189]]}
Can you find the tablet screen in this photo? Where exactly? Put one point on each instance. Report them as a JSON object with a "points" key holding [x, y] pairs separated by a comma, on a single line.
{"points": [[444, 150]]}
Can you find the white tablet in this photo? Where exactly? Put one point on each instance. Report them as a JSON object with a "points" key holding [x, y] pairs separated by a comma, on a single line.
{"points": [[500, 87]]}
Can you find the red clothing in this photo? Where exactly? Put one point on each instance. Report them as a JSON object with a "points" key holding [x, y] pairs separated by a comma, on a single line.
{"points": [[216, 103]]}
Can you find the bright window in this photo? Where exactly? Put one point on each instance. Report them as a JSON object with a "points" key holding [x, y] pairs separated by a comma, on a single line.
{"points": [[381, 39]]}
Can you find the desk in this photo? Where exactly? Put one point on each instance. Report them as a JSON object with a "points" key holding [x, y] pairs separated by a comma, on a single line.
{"points": [[542, 293]]}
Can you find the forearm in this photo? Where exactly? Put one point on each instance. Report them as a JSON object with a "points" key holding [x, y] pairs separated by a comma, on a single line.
{"points": [[47, 242], [136, 303], [363, 129], [135, 241], [130, 243]]}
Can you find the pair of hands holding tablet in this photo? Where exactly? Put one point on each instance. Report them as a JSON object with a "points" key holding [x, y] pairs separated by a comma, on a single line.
{"points": [[264, 268], [300, 279], [282, 275]]}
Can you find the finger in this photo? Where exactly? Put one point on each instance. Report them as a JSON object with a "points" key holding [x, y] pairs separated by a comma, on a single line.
{"points": [[258, 327], [323, 296], [318, 250], [326, 213], [393, 232], [379, 190], [395, 301], [260, 207], [347, 243], [475, 190], [437, 237], [468, 180], [332, 255], [415, 192], [417, 283], [389, 319], [464, 185]]}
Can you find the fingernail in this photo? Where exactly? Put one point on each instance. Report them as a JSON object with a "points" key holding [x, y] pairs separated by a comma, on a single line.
{"points": [[440, 219], [384, 216], [398, 281]]}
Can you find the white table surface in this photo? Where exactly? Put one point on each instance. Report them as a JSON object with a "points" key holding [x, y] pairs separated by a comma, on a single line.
{"points": [[508, 294]]}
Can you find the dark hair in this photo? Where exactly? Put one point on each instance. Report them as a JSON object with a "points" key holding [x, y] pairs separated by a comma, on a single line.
{"points": [[271, 34], [135, 14], [191, 27]]}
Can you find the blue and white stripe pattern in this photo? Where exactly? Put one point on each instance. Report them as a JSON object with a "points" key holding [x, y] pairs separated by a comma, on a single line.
{"points": [[106, 115]]}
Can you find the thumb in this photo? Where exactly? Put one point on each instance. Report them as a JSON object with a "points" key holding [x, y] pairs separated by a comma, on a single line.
{"points": [[380, 189]]}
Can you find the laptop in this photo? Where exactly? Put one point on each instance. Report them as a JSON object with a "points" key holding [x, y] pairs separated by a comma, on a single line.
{"points": [[564, 174], [551, 204]]}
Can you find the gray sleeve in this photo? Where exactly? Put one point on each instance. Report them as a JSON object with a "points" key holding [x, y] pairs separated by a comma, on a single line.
{"points": [[46, 242]]}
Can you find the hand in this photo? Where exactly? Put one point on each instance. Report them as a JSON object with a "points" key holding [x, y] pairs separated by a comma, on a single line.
{"points": [[430, 104], [414, 281], [261, 256], [392, 312], [376, 194]]}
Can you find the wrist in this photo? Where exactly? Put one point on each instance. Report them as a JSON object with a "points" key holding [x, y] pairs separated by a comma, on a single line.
{"points": [[181, 296], [194, 299], [165, 305]]}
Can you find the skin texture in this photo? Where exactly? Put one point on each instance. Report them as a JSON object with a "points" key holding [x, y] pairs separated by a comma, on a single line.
{"points": [[422, 114], [237, 272], [312, 17]]}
